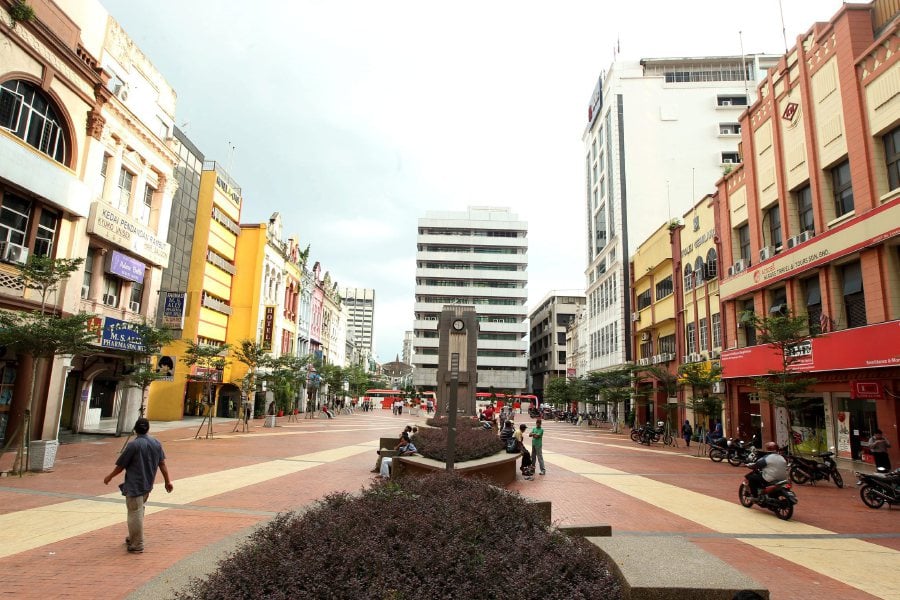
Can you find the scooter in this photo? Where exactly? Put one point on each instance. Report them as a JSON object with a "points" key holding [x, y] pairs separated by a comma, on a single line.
{"points": [[776, 496], [803, 470], [878, 488]]}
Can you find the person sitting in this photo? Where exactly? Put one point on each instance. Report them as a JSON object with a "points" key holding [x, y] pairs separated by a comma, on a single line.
{"points": [[771, 467], [407, 449], [385, 452], [507, 433]]}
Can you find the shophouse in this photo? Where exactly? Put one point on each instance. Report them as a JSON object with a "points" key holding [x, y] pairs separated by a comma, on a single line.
{"points": [[810, 225]]}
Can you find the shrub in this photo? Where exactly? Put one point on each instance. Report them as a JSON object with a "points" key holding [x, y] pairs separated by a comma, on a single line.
{"points": [[461, 422], [431, 442], [387, 543]]}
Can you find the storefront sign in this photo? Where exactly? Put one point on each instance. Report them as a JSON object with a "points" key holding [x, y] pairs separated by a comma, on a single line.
{"points": [[120, 335], [125, 267], [838, 350], [843, 435], [865, 390], [108, 223], [173, 310], [268, 326]]}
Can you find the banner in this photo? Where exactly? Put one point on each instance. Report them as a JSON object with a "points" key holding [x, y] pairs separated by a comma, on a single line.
{"points": [[173, 310]]}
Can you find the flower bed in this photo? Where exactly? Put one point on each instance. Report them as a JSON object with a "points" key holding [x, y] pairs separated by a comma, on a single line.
{"points": [[386, 543], [471, 443]]}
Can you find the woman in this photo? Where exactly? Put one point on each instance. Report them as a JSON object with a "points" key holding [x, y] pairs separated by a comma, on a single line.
{"points": [[687, 432]]}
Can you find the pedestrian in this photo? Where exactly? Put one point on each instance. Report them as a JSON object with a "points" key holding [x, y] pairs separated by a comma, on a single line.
{"points": [[687, 432], [139, 459], [878, 447], [537, 445]]}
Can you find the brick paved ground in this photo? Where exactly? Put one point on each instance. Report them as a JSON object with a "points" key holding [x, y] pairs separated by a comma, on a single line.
{"points": [[61, 533]]}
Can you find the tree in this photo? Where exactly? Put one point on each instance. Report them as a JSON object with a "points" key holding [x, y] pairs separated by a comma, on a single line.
{"points": [[209, 361], [701, 377], [789, 336], [615, 386], [287, 376], [141, 372], [254, 357], [44, 274], [665, 381]]}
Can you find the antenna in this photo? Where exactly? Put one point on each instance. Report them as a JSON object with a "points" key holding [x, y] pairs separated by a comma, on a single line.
{"points": [[744, 68], [231, 149], [783, 29]]}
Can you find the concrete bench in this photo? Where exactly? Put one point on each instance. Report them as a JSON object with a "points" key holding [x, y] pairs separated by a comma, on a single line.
{"points": [[654, 567], [500, 468]]}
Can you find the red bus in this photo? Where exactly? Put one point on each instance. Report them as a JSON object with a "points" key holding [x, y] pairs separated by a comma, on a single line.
{"points": [[385, 397]]}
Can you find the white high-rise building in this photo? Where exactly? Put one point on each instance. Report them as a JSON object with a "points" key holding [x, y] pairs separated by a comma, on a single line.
{"points": [[477, 257], [360, 303], [660, 133]]}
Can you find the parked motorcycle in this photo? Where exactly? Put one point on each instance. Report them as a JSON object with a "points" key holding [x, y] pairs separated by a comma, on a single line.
{"points": [[776, 496], [803, 470], [878, 488], [740, 452], [719, 449]]}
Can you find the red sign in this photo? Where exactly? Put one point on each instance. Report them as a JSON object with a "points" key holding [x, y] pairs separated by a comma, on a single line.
{"points": [[789, 111], [835, 351], [865, 390]]}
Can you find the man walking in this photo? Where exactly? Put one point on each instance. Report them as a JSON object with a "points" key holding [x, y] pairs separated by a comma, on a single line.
{"points": [[140, 460], [537, 446]]}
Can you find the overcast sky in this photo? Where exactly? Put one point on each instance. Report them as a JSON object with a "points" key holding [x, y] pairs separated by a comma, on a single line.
{"points": [[353, 118]]}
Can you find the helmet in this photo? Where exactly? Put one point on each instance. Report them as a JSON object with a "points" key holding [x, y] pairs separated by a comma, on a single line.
{"points": [[771, 447]]}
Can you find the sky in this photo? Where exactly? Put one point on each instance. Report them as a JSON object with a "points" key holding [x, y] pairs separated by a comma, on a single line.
{"points": [[352, 118]]}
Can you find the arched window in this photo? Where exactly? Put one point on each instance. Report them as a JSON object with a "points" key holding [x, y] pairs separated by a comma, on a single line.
{"points": [[688, 278], [28, 114], [712, 264], [699, 271]]}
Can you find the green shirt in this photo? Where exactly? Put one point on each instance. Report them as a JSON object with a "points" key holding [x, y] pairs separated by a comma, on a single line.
{"points": [[537, 439]]}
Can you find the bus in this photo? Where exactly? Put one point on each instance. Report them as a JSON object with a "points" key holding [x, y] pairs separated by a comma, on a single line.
{"points": [[385, 397], [482, 399]]}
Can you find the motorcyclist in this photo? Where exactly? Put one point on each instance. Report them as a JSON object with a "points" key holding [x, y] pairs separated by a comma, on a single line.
{"points": [[771, 467]]}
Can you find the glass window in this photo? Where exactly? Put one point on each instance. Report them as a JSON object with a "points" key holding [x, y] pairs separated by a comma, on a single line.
{"points": [[643, 300], [126, 181], [854, 296], [749, 331], [743, 236], [28, 114], [704, 334], [699, 272], [813, 294], [892, 157], [690, 338], [805, 209], [688, 278], [712, 264], [14, 215], [773, 216], [842, 188], [716, 331], [88, 271], [147, 205], [137, 294], [664, 288], [111, 288], [46, 233]]}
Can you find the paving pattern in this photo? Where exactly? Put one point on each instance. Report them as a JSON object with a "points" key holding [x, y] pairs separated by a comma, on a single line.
{"points": [[61, 533]]}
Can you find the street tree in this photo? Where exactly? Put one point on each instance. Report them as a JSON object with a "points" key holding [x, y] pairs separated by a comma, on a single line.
{"points": [[700, 377], [148, 341], [208, 362], [789, 337], [615, 387], [44, 274], [254, 356]]}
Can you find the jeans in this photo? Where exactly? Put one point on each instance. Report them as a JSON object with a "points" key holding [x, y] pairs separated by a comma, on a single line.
{"points": [[135, 505], [537, 456]]}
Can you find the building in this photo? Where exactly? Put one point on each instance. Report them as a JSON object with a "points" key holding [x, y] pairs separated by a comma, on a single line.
{"points": [[547, 357], [203, 312], [476, 257], [639, 112], [360, 306], [808, 225], [407, 347]]}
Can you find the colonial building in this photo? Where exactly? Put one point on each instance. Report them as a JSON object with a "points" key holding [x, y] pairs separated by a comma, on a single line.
{"points": [[809, 226]]}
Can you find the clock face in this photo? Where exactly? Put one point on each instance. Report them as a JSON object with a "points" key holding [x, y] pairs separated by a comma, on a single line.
{"points": [[459, 325]]}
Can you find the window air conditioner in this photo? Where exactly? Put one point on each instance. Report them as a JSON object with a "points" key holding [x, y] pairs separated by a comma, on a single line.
{"points": [[731, 271], [667, 357], [642, 362], [718, 387], [766, 253], [793, 241], [85, 291], [14, 253], [134, 307], [739, 266], [725, 102], [805, 236], [110, 300], [694, 357], [654, 359]]}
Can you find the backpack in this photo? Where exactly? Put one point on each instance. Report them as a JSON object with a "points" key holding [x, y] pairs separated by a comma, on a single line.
{"points": [[512, 446]]}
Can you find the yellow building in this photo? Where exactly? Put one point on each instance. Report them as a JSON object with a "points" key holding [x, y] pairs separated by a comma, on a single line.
{"points": [[207, 303], [654, 319]]}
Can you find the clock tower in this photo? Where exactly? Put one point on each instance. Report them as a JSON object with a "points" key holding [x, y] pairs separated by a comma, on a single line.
{"points": [[457, 358]]}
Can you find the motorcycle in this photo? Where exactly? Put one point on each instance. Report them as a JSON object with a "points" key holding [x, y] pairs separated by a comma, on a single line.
{"points": [[741, 452], [776, 496], [719, 449], [878, 488], [803, 470]]}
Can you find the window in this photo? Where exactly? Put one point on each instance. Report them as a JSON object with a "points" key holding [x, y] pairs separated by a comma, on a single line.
{"points": [[699, 272], [690, 338], [805, 209], [729, 128], [146, 206], [704, 334], [664, 288], [88, 271], [126, 180], [688, 278], [667, 344], [779, 302], [773, 217], [749, 331], [892, 157], [46, 233], [104, 169], [712, 264], [646, 349], [731, 101], [813, 295], [854, 296], [29, 115], [716, 331], [137, 294], [743, 237], [643, 300], [111, 288], [842, 188], [730, 158], [14, 220]]}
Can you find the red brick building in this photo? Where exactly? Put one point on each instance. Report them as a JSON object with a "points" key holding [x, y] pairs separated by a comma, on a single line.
{"points": [[810, 223]]}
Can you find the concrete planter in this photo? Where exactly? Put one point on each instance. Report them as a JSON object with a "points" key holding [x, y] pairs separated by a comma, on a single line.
{"points": [[42, 455]]}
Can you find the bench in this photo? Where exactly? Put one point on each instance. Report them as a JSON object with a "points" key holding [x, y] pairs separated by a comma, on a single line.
{"points": [[654, 567], [500, 468]]}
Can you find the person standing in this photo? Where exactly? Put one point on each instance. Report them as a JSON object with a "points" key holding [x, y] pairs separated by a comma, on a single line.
{"points": [[878, 446], [537, 445], [687, 432], [140, 460]]}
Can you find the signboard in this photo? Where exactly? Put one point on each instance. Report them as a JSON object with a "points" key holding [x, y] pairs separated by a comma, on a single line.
{"points": [[125, 267], [108, 223], [119, 335], [843, 435], [165, 367], [865, 390], [173, 310], [838, 350], [596, 104], [268, 327]]}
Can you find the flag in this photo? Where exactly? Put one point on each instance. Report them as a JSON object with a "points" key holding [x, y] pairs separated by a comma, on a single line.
{"points": [[824, 323]]}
